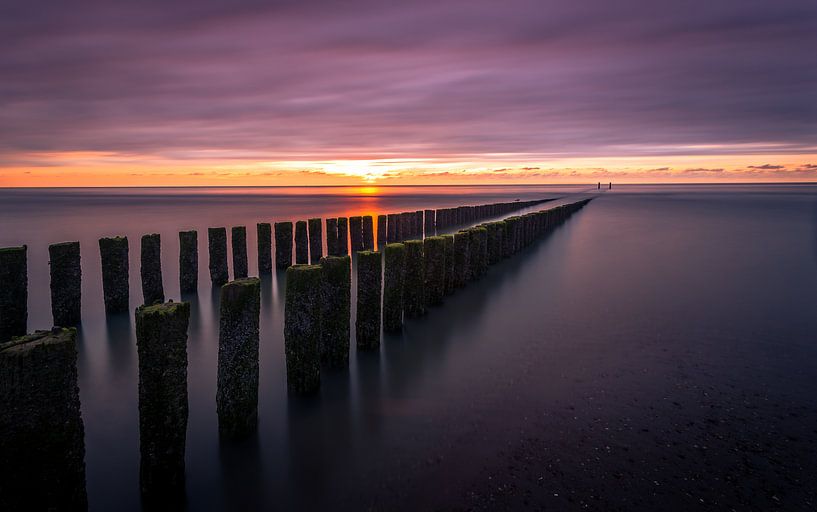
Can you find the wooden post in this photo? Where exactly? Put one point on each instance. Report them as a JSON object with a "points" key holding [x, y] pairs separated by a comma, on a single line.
{"points": [[367, 323], [434, 258], [115, 286], [414, 280], [66, 284], [217, 245], [315, 240], [239, 236], [336, 310], [283, 245], [332, 237], [394, 264], [368, 233], [188, 261], [264, 231], [356, 233], [381, 230], [161, 343], [302, 327], [237, 386], [301, 243], [448, 247], [343, 236], [151, 269], [462, 251]]}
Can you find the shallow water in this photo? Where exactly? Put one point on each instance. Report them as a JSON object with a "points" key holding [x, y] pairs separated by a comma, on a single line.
{"points": [[640, 279]]}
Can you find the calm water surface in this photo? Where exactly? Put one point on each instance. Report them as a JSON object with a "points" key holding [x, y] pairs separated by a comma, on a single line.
{"points": [[643, 283]]}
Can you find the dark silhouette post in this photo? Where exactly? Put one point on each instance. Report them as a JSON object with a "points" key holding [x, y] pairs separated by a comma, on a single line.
{"points": [[239, 236], [368, 233], [343, 236], [332, 237], [356, 233], [66, 284], [188, 261], [393, 267], [315, 240], [264, 248], [414, 280], [115, 269], [283, 245], [151, 269], [381, 230], [217, 245], [301, 243]]}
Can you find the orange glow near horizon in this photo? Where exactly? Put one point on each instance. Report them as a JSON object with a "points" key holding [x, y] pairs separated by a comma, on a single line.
{"points": [[90, 169]]}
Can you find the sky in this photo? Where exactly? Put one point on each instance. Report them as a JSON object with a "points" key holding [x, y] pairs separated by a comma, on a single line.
{"points": [[212, 92]]}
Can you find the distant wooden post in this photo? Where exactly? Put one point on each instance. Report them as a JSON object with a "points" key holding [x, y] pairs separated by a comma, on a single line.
{"points": [[264, 231], [332, 237], [188, 261], [283, 245], [429, 217], [301, 243], [217, 245], [239, 236], [151, 269], [115, 269], [391, 228], [66, 284], [302, 327], [237, 386], [367, 323], [343, 236], [356, 233], [368, 233], [315, 240], [381, 230]]}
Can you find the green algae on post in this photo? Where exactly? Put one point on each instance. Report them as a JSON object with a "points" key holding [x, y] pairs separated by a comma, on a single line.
{"points": [[283, 245], [393, 271], [115, 269], [434, 257], [414, 280], [264, 231], [367, 323], [239, 238], [302, 327], [42, 442], [66, 284], [217, 245], [188, 261], [315, 240], [151, 269], [336, 310], [301, 243], [161, 342], [237, 382]]}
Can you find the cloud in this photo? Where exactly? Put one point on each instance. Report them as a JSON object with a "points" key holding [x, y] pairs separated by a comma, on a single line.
{"points": [[766, 167]]}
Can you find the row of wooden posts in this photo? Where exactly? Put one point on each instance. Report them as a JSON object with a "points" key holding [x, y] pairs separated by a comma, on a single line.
{"points": [[66, 271], [38, 376]]}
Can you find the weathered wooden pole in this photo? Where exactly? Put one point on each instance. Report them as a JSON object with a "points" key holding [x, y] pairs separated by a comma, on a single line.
{"points": [[336, 307], [239, 237], [283, 245], [381, 230], [367, 323], [66, 284], [393, 271], [115, 287], [343, 236], [264, 231], [414, 280], [368, 233], [448, 247], [188, 261], [315, 240], [332, 237], [417, 224], [217, 245], [151, 269], [434, 258], [301, 243], [356, 233], [161, 342], [462, 251], [429, 221], [302, 327], [237, 384], [42, 447], [392, 220]]}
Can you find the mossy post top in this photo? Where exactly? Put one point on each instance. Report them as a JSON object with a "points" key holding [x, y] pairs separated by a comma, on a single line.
{"points": [[13, 250], [22, 344], [413, 243], [395, 247], [336, 262], [163, 309], [308, 274], [60, 245], [367, 255]]}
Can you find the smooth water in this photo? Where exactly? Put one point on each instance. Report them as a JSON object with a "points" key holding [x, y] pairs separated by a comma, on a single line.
{"points": [[646, 287]]}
